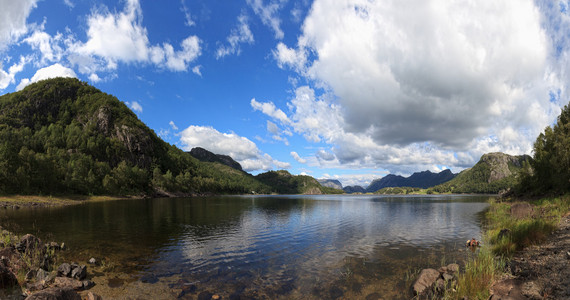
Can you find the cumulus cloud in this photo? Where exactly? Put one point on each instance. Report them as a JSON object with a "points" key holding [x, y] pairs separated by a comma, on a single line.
{"points": [[53, 71], [269, 14], [298, 158], [135, 106], [13, 16], [239, 148], [121, 37], [239, 35], [47, 45], [269, 109], [7, 78], [427, 83]]}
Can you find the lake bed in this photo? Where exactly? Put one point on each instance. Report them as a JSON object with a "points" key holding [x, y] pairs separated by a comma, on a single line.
{"points": [[293, 247]]}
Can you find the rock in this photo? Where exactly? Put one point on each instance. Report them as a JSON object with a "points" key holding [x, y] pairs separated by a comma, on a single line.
{"points": [[568, 255], [33, 287], [53, 246], [87, 284], [93, 296], [440, 284], [149, 278], [447, 277], [62, 247], [78, 272], [92, 261], [64, 270], [55, 293], [42, 276], [452, 268], [27, 243], [336, 292], [65, 282], [7, 278], [205, 295], [216, 297], [425, 281]]}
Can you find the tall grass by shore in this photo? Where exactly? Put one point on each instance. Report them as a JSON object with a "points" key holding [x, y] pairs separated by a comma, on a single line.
{"points": [[504, 236]]}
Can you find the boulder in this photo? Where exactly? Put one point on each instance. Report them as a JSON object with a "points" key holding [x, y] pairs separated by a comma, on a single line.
{"points": [[92, 261], [7, 278], [68, 283], [452, 268], [27, 243], [55, 293], [78, 272], [425, 281], [93, 296], [64, 270]]}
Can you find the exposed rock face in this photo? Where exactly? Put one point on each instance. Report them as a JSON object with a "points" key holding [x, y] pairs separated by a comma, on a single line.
{"points": [[207, 156], [499, 164], [335, 184]]}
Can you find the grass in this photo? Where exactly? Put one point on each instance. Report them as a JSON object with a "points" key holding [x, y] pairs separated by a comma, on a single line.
{"points": [[26, 200], [481, 272]]}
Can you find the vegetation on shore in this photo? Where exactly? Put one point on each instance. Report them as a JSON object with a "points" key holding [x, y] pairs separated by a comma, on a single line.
{"points": [[62, 136], [507, 231]]}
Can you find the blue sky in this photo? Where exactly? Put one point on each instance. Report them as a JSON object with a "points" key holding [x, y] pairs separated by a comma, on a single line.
{"points": [[349, 90]]}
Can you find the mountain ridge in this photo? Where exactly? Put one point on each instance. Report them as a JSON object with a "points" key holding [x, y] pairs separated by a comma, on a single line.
{"points": [[423, 179]]}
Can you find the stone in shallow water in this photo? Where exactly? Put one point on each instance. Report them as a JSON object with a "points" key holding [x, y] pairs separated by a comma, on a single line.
{"points": [[205, 295], [149, 278], [55, 293], [64, 270], [425, 281]]}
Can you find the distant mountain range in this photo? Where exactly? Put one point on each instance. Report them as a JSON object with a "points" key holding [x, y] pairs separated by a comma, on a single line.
{"points": [[422, 180]]}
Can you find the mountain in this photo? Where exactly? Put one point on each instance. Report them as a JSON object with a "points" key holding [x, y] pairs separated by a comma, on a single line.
{"points": [[207, 156], [332, 183], [285, 183], [354, 189], [63, 136], [423, 180], [493, 173]]}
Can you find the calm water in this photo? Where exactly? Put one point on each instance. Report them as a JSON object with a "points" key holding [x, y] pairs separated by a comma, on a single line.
{"points": [[263, 247]]}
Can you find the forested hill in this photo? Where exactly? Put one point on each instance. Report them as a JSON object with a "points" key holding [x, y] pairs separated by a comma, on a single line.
{"points": [[493, 173], [423, 179], [62, 136]]}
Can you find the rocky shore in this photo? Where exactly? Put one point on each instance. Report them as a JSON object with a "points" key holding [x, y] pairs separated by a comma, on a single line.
{"points": [[27, 271], [539, 272]]}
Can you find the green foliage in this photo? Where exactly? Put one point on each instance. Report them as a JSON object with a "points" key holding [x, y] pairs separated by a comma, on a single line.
{"points": [[398, 190], [478, 178], [551, 164], [62, 136], [283, 182]]}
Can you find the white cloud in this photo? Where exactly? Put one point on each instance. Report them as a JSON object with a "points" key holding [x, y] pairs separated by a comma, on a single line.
{"points": [[13, 16], [270, 110], [53, 71], [172, 125], [94, 78], [239, 35], [269, 14], [47, 45], [196, 70], [417, 85], [7, 78], [69, 3], [135, 106], [298, 158], [121, 37], [239, 148], [189, 21]]}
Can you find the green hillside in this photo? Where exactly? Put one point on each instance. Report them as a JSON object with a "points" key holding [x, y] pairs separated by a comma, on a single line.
{"points": [[493, 173], [285, 183], [62, 136]]}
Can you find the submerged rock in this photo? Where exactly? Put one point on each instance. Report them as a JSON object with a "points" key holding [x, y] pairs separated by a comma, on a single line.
{"points": [[55, 293], [7, 278], [425, 281]]}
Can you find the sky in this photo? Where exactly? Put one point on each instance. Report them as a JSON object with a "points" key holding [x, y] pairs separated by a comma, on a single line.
{"points": [[340, 89]]}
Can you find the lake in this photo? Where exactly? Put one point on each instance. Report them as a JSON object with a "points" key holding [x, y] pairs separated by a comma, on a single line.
{"points": [[261, 247]]}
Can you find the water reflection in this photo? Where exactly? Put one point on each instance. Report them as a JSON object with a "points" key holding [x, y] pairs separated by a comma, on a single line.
{"points": [[295, 246]]}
